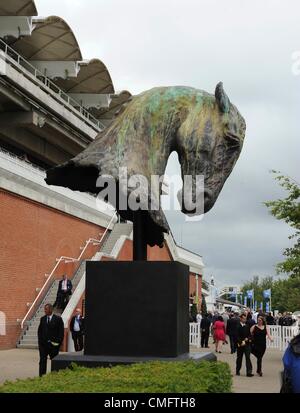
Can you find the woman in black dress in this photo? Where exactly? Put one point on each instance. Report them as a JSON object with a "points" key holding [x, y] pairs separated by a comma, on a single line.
{"points": [[259, 334]]}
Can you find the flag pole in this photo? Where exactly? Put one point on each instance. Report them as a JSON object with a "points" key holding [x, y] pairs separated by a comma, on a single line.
{"points": [[270, 300]]}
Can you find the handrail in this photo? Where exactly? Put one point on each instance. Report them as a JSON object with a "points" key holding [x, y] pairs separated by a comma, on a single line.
{"points": [[63, 259], [49, 85]]}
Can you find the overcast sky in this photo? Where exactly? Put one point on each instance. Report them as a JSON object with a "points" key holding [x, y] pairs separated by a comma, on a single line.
{"points": [[249, 45]]}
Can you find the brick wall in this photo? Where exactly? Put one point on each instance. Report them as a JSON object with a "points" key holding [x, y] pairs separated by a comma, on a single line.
{"points": [[32, 237], [193, 287]]}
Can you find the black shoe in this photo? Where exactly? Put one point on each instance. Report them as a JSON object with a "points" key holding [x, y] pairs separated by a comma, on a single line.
{"points": [[250, 375], [237, 373], [206, 346]]}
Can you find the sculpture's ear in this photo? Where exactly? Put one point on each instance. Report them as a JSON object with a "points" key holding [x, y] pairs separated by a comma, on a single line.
{"points": [[222, 99]]}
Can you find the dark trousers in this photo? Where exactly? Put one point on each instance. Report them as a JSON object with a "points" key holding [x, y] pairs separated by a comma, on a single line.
{"points": [[62, 300], [45, 351], [259, 353], [78, 340], [240, 352], [233, 343], [204, 338]]}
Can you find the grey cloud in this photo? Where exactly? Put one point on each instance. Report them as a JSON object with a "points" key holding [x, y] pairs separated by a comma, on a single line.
{"points": [[247, 45]]}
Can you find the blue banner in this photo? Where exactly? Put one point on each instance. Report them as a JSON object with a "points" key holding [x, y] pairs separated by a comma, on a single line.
{"points": [[245, 300], [250, 294], [255, 305], [267, 293], [261, 306], [267, 307]]}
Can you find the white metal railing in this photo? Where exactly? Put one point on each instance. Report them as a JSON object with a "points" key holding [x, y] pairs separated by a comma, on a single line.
{"points": [[281, 335], [24, 164], [195, 335], [275, 333], [64, 259], [50, 87]]}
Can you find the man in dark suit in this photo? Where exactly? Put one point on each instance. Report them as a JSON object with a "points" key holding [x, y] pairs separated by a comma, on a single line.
{"points": [[232, 331], [204, 327], [50, 337], [243, 346], [63, 293], [77, 330]]}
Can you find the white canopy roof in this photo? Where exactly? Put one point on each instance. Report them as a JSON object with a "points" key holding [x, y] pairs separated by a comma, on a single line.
{"points": [[93, 78], [17, 8], [51, 40]]}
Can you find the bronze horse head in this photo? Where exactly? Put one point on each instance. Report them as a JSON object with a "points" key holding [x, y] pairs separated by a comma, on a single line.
{"points": [[206, 131]]}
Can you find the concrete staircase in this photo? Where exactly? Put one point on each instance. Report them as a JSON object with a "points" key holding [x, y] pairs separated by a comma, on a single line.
{"points": [[29, 338], [116, 233]]}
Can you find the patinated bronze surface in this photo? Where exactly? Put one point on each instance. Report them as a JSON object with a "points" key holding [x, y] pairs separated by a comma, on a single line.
{"points": [[205, 130]]}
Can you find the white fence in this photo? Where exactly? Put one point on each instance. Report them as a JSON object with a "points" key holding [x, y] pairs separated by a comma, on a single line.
{"points": [[281, 336]]}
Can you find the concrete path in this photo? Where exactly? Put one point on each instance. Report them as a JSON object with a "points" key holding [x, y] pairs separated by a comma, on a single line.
{"points": [[21, 364], [271, 367]]}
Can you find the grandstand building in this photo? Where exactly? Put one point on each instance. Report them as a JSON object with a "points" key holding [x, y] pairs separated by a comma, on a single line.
{"points": [[53, 103]]}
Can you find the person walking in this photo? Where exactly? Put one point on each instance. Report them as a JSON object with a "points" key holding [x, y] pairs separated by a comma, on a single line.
{"points": [[204, 328], [50, 337], [291, 362], [232, 331], [63, 293], [270, 319], [259, 334], [243, 347], [219, 333], [77, 330]]}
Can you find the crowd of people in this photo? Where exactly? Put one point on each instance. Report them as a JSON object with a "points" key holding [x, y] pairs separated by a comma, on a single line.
{"points": [[248, 332]]}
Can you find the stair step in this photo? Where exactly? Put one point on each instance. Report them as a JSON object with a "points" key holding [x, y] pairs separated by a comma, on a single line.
{"points": [[28, 346], [29, 339]]}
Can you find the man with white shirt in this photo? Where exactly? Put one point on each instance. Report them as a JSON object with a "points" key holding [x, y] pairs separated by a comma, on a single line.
{"points": [[77, 330], [50, 337], [64, 291]]}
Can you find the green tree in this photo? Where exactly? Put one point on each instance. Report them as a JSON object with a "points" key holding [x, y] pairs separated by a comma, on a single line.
{"points": [[285, 293], [258, 286], [194, 311], [288, 209], [203, 305]]}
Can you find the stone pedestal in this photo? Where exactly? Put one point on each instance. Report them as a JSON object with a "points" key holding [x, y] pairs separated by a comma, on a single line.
{"points": [[136, 311]]}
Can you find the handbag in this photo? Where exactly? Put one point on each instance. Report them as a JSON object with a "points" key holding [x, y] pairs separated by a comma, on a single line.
{"points": [[286, 383]]}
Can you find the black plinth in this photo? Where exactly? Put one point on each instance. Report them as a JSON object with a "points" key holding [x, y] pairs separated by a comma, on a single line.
{"points": [[137, 309], [65, 360]]}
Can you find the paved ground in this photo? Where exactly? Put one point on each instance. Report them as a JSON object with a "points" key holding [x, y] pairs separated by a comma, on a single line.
{"points": [[271, 367], [20, 364]]}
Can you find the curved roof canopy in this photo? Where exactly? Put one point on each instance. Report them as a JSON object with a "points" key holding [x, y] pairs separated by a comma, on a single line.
{"points": [[117, 105], [93, 78], [51, 40], [17, 8]]}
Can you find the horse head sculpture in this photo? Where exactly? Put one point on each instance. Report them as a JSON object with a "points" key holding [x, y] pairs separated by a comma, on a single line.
{"points": [[206, 131]]}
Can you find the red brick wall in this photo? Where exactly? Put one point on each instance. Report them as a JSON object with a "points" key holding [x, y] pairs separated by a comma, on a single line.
{"points": [[193, 287], [32, 237], [154, 253]]}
